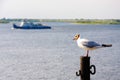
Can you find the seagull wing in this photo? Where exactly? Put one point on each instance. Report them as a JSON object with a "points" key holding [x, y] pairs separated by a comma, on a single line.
{"points": [[90, 44]]}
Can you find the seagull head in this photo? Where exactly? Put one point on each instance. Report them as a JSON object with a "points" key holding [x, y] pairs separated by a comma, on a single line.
{"points": [[76, 37]]}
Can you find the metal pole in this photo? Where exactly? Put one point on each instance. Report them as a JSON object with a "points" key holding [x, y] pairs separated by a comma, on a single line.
{"points": [[85, 63], [85, 67]]}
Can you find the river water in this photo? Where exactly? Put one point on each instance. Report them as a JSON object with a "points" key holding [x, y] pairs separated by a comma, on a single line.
{"points": [[51, 54]]}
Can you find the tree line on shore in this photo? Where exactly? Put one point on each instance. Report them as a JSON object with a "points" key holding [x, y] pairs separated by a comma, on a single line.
{"points": [[78, 21]]}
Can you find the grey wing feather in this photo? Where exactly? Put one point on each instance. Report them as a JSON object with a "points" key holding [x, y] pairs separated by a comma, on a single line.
{"points": [[90, 44]]}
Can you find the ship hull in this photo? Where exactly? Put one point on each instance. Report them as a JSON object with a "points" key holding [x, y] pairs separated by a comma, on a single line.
{"points": [[28, 27]]}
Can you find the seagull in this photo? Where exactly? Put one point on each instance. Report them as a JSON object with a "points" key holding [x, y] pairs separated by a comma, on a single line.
{"points": [[89, 45]]}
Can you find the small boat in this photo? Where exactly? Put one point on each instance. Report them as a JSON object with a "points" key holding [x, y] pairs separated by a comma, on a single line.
{"points": [[29, 25]]}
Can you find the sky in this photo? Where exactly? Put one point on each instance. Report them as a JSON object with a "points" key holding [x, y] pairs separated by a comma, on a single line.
{"points": [[60, 9]]}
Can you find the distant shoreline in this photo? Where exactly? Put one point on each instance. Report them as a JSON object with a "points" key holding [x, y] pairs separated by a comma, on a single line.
{"points": [[4, 21], [96, 21], [75, 21]]}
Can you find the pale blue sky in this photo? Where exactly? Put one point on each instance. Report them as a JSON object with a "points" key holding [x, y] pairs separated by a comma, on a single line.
{"points": [[63, 9]]}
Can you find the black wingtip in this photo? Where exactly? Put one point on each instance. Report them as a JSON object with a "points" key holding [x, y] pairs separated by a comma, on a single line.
{"points": [[107, 45]]}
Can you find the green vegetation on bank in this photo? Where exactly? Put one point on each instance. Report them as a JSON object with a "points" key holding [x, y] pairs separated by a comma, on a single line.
{"points": [[98, 21], [4, 21], [77, 21], [85, 21]]}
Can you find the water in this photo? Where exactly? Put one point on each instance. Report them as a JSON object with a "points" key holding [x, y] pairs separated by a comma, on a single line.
{"points": [[52, 54]]}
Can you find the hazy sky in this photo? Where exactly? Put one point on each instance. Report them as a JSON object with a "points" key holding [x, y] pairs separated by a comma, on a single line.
{"points": [[55, 9]]}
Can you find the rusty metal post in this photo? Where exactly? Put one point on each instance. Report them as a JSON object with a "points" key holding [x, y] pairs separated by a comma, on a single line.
{"points": [[85, 67]]}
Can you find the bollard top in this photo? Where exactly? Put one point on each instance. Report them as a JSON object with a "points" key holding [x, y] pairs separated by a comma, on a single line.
{"points": [[84, 57]]}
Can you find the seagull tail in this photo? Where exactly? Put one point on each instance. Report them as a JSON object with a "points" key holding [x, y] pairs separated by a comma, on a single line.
{"points": [[106, 45]]}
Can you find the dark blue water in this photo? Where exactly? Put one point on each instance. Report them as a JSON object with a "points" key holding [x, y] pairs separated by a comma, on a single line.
{"points": [[51, 54]]}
